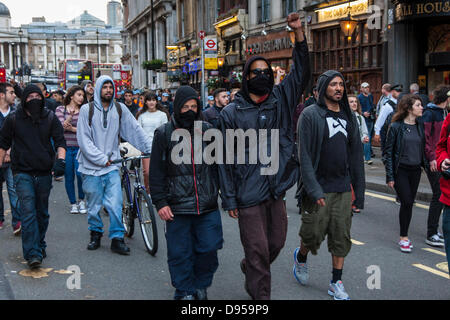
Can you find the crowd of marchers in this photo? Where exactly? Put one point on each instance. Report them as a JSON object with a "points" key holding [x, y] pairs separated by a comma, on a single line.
{"points": [[324, 145]]}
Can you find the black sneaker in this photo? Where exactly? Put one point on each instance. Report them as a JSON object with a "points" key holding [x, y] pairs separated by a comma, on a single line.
{"points": [[95, 240], [34, 263], [434, 241], [201, 294], [44, 254], [118, 246]]}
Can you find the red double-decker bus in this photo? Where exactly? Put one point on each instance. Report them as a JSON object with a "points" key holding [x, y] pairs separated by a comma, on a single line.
{"points": [[74, 71]]}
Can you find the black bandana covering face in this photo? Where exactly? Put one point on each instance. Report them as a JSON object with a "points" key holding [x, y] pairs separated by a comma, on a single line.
{"points": [[187, 119], [260, 85], [34, 108]]}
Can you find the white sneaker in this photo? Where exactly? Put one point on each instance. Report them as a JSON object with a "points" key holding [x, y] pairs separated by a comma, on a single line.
{"points": [[74, 209], [337, 291], [405, 246], [82, 207], [434, 241], [441, 237]]}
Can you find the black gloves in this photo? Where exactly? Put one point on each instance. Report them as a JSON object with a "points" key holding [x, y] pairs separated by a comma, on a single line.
{"points": [[59, 168]]}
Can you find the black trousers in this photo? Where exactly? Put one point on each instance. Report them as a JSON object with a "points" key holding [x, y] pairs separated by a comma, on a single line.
{"points": [[436, 206], [406, 184]]}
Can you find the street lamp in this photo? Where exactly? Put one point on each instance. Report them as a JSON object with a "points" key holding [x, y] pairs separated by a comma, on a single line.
{"points": [[14, 59], [65, 39], [98, 55], [54, 44], [20, 47]]}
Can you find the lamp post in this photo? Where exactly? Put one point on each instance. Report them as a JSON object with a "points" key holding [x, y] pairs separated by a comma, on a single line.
{"points": [[98, 55], [54, 45], [348, 24], [65, 39], [14, 59], [20, 49]]}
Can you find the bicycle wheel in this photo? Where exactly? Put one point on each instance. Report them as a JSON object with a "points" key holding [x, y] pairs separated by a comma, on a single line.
{"points": [[148, 222], [127, 214]]}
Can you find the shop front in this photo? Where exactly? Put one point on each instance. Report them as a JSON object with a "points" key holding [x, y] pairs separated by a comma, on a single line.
{"points": [[276, 47], [358, 56], [422, 33]]}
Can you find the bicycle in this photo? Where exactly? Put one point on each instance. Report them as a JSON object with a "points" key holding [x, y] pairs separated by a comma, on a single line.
{"points": [[133, 204]]}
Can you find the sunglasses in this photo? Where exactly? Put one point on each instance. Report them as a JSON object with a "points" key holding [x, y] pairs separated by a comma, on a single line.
{"points": [[259, 71]]}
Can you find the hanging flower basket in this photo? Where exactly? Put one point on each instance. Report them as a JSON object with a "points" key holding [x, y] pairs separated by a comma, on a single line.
{"points": [[155, 64]]}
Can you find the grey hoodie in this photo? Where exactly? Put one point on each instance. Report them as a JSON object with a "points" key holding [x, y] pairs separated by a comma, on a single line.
{"points": [[98, 145], [310, 131]]}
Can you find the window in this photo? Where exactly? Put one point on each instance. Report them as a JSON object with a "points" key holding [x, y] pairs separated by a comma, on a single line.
{"points": [[182, 18], [263, 11], [289, 6]]}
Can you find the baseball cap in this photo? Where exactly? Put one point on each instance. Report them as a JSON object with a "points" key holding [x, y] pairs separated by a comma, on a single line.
{"points": [[365, 85], [165, 94], [397, 87], [210, 98]]}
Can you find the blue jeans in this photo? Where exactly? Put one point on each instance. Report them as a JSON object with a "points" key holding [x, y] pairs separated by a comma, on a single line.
{"points": [[192, 244], [446, 231], [13, 200], [33, 193], [368, 146], [69, 176], [106, 191]]}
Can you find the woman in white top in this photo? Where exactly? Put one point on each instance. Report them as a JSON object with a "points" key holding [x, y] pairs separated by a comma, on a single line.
{"points": [[356, 109], [150, 117]]}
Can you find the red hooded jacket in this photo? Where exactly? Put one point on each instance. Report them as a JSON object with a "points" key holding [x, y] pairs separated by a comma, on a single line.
{"points": [[442, 153]]}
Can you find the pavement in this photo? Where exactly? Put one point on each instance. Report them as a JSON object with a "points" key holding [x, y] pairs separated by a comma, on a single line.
{"points": [[376, 179]]}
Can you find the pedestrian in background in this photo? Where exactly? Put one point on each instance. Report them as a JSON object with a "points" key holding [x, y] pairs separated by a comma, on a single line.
{"points": [[29, 131], [221, 100], [331, 163], [433, 118], [88, 87], [405, 155], [129, 103], [7, 98], [368, 111], [150, 117], [68, 116], [185, 196]]}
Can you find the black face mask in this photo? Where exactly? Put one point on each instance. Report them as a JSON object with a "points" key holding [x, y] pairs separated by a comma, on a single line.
{"points": [[34, 108], [187, 119], [260, 85]]}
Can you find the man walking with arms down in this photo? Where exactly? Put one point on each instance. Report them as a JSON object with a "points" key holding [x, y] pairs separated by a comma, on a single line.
{"points": [[100, 124], [29, 131], [256, 200], [330, 155]]}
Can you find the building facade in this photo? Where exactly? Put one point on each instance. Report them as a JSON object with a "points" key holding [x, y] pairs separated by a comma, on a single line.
{"points": [[43, 45], [147, 32]]}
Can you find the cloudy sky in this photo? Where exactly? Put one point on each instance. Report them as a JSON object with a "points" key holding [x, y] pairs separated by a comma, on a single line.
{"points": [[53, 10]]}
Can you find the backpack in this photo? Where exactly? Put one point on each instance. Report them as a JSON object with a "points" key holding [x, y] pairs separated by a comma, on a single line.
{"points": [[119, 111], [387, 122]]}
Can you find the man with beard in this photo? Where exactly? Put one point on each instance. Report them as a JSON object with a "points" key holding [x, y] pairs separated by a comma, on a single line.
{"points": [[256, 200], [185, 196], [29, 131], [331, 162], [88, 87], [99, 125], [221, 100]]}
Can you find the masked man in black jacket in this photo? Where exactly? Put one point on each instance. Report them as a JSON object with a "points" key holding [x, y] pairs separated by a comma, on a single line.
{"points": [[253, 192], [29, 131], [185, 194]]}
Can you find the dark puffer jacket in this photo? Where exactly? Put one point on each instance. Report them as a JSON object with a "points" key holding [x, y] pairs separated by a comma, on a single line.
{"points": [[186, 188], [394, 147]]}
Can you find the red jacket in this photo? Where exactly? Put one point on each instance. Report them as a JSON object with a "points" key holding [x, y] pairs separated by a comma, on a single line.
{"points": [[442, 153]]}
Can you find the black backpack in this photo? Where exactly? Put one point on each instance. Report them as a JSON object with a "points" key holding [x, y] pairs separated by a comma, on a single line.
{"points": [[387, 122]]}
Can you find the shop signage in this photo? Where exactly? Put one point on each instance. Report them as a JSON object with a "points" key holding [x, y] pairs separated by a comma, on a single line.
{"points": [[341, 11], [424, 9], [270, 45], [211, 64]]}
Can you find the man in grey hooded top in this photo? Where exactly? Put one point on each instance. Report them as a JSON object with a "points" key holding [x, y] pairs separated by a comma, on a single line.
{"points": [[331, 163], [99, 146]]}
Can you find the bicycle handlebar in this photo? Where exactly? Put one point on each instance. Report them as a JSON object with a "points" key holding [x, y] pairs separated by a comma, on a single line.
{"points": [[123, 160]]}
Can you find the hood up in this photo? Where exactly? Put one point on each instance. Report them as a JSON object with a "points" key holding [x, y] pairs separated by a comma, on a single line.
{"points": [[98, 91], [322, 85], [244, 88]]}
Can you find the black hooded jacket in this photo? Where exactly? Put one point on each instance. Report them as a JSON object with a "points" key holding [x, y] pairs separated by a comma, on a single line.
{"points": [[311, 130], [32, 151], [186, 188], [244, 185]]}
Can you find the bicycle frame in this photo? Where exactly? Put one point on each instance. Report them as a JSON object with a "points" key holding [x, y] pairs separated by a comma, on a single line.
{"points": [[132, 199]]}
